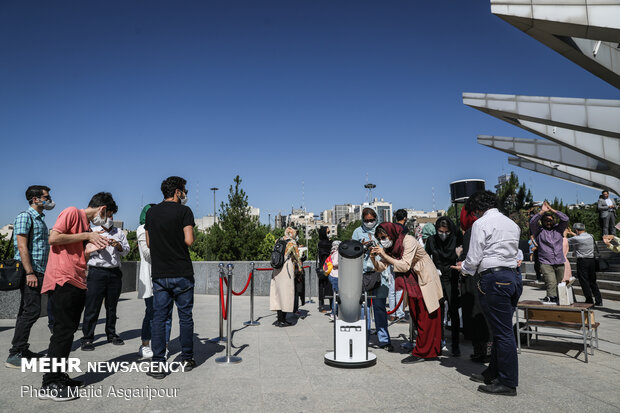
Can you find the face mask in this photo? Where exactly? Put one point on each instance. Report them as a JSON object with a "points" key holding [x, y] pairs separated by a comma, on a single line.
{"points": [[183, 200], [444, 235], [109, 223], [386, 243], [47, 205], [98, 221], [370, 225]]}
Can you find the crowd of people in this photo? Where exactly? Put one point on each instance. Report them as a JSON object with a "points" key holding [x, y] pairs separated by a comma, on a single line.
{"points": [[78, 265], [466, 276]]}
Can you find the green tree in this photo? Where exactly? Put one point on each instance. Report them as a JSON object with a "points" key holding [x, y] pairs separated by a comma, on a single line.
{"points": [[134, 253], [237, 236], [513, 197], [266, 247], [345, 233]]}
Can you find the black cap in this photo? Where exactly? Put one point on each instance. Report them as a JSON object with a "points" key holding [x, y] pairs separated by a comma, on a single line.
{"points": [[351, 249]]}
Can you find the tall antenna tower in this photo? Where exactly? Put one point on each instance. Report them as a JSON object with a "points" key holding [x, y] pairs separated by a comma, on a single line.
{"points": [[434, 205], [303, 196], [369, 187]]}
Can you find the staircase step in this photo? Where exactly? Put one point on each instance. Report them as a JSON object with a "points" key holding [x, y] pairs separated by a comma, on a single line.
{"points": [[606, 294]]}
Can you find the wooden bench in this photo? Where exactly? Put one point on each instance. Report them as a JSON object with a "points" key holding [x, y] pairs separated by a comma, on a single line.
{"points": [[577, 316]]}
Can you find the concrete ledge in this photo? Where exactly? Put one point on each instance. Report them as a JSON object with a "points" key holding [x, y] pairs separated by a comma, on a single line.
{"points": [[206, 274]]}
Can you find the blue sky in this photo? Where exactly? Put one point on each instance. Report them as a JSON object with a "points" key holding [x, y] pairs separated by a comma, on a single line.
{"points": [[118, 95]]}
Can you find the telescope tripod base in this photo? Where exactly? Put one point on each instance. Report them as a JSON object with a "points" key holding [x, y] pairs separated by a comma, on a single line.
{"points": [[228, 360], [251, 323], [331, 361], [218, 340]]}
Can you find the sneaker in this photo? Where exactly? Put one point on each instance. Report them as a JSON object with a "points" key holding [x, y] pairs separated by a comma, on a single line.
{"points": [[156, 374], [189, 365], [27, 354], [57, 391], [145, 352], [331, 317], [87, 346], [116, 340], [549, 300], [14, 361], [70, 382]]}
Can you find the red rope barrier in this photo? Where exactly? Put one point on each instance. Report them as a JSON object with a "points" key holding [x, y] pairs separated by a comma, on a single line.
{"points": [[223, 299], [397, 305], [244, 288], [263, 269]]}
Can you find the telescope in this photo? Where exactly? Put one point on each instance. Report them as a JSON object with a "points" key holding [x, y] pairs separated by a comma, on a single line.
{"points": [[350, 332]]}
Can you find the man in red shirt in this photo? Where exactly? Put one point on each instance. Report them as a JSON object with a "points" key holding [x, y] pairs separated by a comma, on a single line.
{"points": [[71, 243]]}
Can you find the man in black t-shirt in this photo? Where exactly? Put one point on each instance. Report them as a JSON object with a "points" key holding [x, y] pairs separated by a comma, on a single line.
{"points": [[169, 233]]}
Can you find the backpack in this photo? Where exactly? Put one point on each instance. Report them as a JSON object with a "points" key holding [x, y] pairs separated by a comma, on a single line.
{"points": [[277, 255], [328, 266]]}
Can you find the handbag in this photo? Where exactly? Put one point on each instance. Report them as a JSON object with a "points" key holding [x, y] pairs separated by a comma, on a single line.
{"points": [[12, 271], [601, 264], [371, 280]]}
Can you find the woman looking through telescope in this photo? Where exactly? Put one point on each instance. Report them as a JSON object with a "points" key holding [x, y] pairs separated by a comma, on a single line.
{"points": [[417, 275]]}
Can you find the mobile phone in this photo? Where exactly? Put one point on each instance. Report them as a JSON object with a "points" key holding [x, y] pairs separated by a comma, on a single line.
{"points": [[614, 242]]}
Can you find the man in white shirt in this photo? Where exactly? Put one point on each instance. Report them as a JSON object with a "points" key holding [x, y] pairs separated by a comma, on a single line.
{"points": [[493, 254], [104, 282]]}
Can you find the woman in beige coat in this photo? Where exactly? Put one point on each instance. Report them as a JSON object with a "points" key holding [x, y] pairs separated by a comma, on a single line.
{"points": [[417, 275], [282, 289]]}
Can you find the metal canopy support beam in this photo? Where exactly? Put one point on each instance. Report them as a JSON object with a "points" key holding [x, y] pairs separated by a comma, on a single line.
{"points": [[568, 173], [589, 126], [585, 32], [542, 149]]}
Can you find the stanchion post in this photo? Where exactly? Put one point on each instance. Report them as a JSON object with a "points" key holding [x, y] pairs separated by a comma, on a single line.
{"points": [[310, 301], [219, 305], [252, 322], [228, 359]]}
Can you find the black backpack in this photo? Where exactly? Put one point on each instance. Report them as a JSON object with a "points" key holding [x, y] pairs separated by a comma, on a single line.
{"points": [[277, 256]]}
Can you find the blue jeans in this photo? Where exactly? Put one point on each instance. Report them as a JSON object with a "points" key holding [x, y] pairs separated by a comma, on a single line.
{"points": [[381, 320], [147, 322], [499, 294], [334, 281], [394, 297], [166, 292]]}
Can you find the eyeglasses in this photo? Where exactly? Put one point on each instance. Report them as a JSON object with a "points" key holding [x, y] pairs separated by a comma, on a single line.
{"points": [[369, 220], [383, 238]]}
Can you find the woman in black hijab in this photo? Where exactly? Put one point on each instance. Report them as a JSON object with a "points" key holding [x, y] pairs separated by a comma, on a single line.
{"points": [[442, 248], [325, 287]]}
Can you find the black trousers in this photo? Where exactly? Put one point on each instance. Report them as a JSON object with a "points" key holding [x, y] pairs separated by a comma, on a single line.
{"points": [[67, 307], [450, 286], [325, 289], [586, 273], [28, 314], [103, 284]]}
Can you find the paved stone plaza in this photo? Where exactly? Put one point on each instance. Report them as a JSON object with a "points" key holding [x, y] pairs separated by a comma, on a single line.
{"points": [[283, 371]]}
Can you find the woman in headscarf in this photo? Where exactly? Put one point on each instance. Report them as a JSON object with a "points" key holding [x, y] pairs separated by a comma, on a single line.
{"points": [[416, 273], [442, 249], [428, 230], [366, 234], [333, 277], [282, 288], [323, 251]]}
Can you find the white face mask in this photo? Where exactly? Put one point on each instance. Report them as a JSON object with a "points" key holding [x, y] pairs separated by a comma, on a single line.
{"points": [[386, 243], [184, 199], [109, 223], [98, 221], [370, 225], [444, 235]]}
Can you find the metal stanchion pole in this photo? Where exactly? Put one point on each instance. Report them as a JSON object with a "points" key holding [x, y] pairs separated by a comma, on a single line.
{"points": [[228, 359], [310, 301], [219, 305], [252, 322]]}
